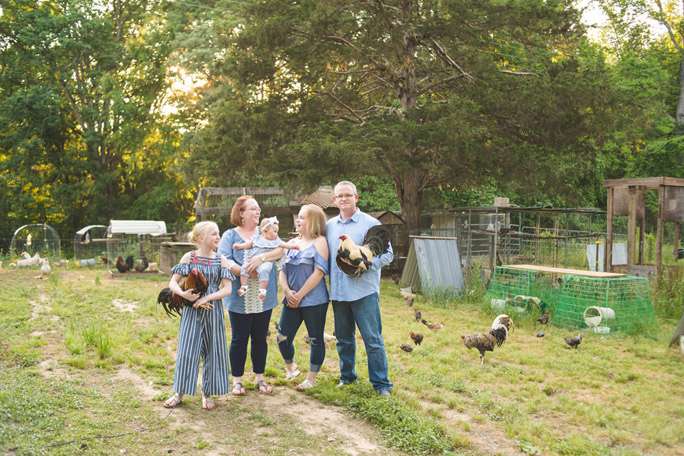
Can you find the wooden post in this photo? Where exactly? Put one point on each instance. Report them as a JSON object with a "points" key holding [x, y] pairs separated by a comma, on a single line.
{"points": [[520, 237], [597, 262], [470, 238], [555, 241], [642, 225], [631, 226], [608, 248], [491, 255], [659, 233], [567, 236], [675, 252], [537, 233], [496, 233]]}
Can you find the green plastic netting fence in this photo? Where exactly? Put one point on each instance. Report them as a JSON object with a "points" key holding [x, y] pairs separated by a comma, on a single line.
{"points": [[603, 305]]}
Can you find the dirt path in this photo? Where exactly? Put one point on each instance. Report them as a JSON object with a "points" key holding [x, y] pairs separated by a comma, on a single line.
{"points": [[348, 435], [259, 419]]}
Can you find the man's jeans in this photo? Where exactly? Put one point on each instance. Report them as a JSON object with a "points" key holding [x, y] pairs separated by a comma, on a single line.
{"points": [[364, 313]]}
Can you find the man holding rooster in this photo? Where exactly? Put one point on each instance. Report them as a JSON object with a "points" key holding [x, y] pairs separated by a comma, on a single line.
{"points": [[355, 297]]}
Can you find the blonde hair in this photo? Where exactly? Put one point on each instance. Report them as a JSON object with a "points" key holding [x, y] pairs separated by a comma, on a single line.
{"points": [[198, 230], [339, 184], [315, 220]]}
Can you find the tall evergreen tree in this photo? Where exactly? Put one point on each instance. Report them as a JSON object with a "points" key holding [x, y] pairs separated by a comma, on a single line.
{"points": [[427, 93]]}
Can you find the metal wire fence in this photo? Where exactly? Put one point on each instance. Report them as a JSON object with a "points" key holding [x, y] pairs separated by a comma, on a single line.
{"points": [[526, 245]]}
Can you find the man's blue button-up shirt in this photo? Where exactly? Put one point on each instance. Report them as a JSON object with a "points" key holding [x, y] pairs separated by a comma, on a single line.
{"points": [[343, 287]]}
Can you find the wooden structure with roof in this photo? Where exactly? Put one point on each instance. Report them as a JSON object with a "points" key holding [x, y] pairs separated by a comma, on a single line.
{"points": [[626, 198], [217, 202], [397, 227], [323, 197]]}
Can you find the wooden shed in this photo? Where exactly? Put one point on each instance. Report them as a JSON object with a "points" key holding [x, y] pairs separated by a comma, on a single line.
{"points": [[323, 197], [397, 226], [626, 198]]}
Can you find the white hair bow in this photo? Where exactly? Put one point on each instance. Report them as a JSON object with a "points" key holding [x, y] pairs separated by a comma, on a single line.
{"points": [[270, 221]]}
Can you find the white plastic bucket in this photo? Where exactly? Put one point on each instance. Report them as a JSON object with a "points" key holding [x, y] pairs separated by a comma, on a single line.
{"points": [[594, 316], [498, 304]]}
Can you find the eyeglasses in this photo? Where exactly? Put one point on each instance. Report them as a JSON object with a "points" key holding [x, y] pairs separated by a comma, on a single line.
{"points": [[346, 195]]}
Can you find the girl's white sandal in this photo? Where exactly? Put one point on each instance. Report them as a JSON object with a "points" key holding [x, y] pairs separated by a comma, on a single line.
{"points": [[293, 374]]}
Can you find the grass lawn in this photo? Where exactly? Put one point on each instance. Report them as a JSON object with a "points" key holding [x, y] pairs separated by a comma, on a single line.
{"points": [[86, 361]]}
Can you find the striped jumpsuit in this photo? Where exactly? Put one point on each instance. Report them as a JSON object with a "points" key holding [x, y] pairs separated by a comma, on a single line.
{"points": [[202, 334]]}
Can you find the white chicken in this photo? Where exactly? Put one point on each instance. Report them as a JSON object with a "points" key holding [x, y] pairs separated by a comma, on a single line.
{"points": [[45, 269]]}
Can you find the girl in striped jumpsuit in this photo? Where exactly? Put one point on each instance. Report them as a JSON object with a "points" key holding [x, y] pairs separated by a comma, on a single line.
{"points": [[202, 332]]}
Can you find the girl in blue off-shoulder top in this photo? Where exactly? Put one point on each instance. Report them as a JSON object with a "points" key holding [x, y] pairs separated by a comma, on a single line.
{"points": [[306, 294]]}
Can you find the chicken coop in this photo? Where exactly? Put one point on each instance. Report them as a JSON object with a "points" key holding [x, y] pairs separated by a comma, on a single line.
{"points": [[592, 300], [518, 290], [35, 238], [497, 235], [134, 241], [90, 242], [627, 198], [433, 267]]}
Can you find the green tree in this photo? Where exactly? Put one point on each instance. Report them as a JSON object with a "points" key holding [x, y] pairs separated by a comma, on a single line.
{"points": [[646, 42], [83, 137], [425, 93]]}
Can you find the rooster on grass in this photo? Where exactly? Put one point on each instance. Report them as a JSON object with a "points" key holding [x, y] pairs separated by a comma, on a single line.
{"points": [[496, 336], [544, 319], [122, 266], [406, 347], [141, 267], [574, 341]]}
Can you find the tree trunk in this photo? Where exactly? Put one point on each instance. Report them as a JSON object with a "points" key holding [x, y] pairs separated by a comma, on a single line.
{"points": [[680, 100], [410, 192]]}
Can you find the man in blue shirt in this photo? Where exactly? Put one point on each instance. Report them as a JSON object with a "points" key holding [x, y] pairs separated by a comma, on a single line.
{"points": [[356, 301]]}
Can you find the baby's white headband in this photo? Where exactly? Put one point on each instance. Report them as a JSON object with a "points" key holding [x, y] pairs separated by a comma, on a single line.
{"points": [[270, 221]]}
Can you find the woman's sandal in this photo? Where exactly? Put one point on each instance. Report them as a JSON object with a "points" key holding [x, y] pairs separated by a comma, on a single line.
{"points": [[173, 401], [262, 293], [292, 375], [238, 390], [208, 403], [263, 387], [305, 385], [243, 289]]}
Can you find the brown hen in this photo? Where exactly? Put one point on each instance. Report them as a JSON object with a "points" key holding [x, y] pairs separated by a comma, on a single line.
{"points": [[417, 338], [436, 326]]}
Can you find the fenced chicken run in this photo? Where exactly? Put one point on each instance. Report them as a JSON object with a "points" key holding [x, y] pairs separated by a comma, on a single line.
{"points": [[557, 237], [597, 301], [133, 245]]}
